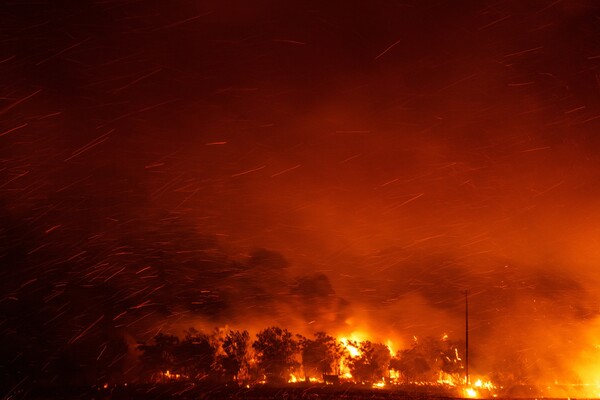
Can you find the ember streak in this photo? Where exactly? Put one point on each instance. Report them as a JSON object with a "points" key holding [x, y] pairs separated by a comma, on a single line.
{"points": [[348, 167]]}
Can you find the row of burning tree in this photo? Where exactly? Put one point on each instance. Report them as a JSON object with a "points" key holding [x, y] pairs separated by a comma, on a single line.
{"points": [[276, 355]]}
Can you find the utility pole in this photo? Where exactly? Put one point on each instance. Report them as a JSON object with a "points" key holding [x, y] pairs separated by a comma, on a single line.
{"points": [[467, 337]]}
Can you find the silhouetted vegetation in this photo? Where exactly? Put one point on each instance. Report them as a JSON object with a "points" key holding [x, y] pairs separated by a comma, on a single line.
{"points": [[235, 346], [320, 355], [427, 359], [275, 349], [277, 356]]}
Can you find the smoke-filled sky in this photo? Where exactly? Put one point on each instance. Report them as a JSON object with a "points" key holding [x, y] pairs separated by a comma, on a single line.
{"points": [[334, 165]]}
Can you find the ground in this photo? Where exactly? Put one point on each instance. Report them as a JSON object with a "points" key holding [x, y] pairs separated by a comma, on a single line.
{"points": [[185, 391]]}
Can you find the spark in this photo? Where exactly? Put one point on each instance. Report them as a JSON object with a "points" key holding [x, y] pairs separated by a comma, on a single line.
{"points": [[285, 170], [288, 41], [350, 158], [141, 78], [352, 131], [154, 165], [390, 182], [22, 174], [549, 189], [143, 269], [388, 48], [409, 200], [63, 51], [119, 315], [86, 330], [493, 23], [53, 228], [17, 102], [520, 53], [185, 21], [7, 59], [54, 114], [100, 139], [574, 109], [521, 84], [595, 117], [13, 129], [249, 171], [153, 106], [115, 274], [536, 149], [102, 352], [141, 305], [415, 242]]}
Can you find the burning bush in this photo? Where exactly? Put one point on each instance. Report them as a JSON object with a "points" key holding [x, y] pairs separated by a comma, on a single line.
{"points": [[372, 364]]}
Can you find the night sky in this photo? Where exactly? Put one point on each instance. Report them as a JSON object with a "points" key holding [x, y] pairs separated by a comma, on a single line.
{"points": [[318, 165]]}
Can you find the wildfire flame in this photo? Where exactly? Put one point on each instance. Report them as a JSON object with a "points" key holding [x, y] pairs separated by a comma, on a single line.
{"points": [[352, 345], [170, 376]]}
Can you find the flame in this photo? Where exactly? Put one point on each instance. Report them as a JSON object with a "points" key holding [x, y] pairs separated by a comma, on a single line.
{"points": [[352, 342], [457, 356], [350, 347], [484, 384], [475, 390], [170, 376]]}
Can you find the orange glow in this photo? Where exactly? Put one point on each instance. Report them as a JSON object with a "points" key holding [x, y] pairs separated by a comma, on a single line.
{"points": [[350, 346], [343, 169]]}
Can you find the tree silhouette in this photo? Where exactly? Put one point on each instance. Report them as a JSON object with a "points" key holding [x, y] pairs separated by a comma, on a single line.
{"points": [[411, 365], [321, 355], [160, 355], [235, 346], [275, 349], [195, 355]]}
